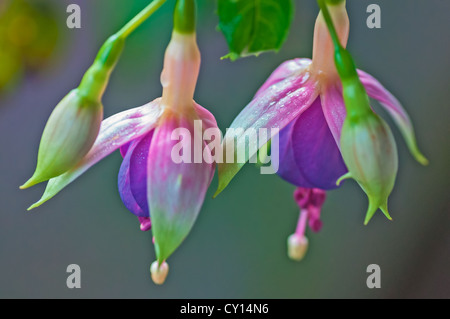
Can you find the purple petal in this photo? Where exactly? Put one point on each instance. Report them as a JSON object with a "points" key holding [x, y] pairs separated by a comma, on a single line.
{"points": [[176, 190], [124, 184], [124, 148], [115, 131], [288, 169], [274, 108], [138, 171], [309, 156], [133, 176], [377, 91]]}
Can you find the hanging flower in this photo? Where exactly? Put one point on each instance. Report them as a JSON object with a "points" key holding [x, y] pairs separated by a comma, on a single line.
{"points": [[304, 99], [74, 124], [164, 192]]}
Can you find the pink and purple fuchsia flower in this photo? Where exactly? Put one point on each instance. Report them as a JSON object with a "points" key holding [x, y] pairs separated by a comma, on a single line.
{"points": [[164, 194], [304, 99]]}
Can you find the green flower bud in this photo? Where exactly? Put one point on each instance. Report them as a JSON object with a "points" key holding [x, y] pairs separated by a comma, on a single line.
{"points": [[370, 153], [75, 122], [68, 135]]}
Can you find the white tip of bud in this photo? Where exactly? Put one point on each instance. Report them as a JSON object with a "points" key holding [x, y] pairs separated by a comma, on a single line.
{"points": [[297, 247], [159, 273]]}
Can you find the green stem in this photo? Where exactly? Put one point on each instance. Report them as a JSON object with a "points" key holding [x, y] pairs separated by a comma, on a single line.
{"points": [[334, 2], [140, 18], [184, 16], [96, 78], [354, 93]]}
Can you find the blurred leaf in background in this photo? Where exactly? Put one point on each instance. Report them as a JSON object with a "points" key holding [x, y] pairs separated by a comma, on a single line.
{"points": [[28, 37], [253, 27]]}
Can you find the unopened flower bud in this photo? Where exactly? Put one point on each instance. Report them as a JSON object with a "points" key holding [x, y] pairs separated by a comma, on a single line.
{"points": [[297, 247], [75, 122], [159, 272], [370, 153], [68, 135]]}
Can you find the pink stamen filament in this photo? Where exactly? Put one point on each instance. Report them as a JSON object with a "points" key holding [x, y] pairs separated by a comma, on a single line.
{"points": [[302, 221]]}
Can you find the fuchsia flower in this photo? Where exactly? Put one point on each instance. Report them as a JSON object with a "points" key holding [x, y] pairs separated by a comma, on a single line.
{"points": [[303, 98], [151, 183]]}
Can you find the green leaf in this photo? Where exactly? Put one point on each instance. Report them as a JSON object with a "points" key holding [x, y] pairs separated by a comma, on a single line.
{"points": [[251, 27]]}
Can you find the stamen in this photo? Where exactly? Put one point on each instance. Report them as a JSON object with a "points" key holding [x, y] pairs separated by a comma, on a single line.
{"points": [[315, 225], [301, 224], [297, 242], [146, 224], [159, 272], [297, 247], [302, 196], [314, 219], [317, 199], [310, 201]]}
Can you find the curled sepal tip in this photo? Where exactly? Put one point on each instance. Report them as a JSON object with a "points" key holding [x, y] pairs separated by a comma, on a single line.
{"points": [[374, 205], [401, 118], [342, 178], [159, 272]]}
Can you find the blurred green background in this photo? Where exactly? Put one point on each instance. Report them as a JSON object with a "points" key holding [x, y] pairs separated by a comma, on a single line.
{"points": [[237, 248]]}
